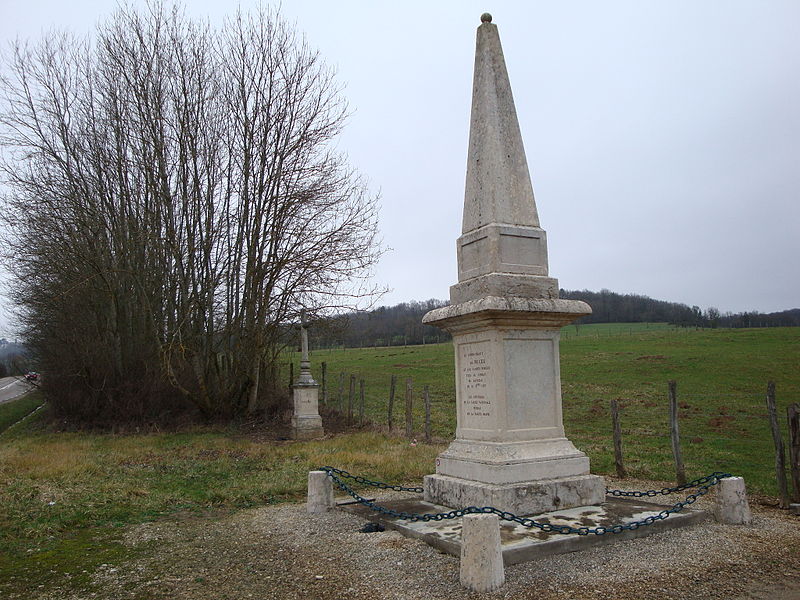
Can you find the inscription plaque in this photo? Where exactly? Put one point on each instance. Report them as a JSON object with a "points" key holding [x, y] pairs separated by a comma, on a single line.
{"points": [[477, 405]]}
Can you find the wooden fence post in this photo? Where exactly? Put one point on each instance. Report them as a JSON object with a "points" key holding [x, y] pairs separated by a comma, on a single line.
{"points": [[361, 403], [341, 392], [391, 401], [427, 397], [680, 472], [409, 405], [324, 382], [621, 473], [291, 374], [793, 416], [780, 458], [350, 398]]}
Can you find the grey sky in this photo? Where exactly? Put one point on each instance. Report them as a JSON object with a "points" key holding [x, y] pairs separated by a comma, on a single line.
{"points": [[663, 138]]}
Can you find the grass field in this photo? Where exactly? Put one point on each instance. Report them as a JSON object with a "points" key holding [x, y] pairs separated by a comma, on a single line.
{"points": [[65, 498], [722, 376]]}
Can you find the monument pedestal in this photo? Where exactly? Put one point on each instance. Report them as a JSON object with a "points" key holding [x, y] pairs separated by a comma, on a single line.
{"points": [[510, 451], [306, 422]]}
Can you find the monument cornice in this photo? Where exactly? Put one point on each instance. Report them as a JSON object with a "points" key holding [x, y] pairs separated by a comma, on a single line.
{"points": [[508, 312]]}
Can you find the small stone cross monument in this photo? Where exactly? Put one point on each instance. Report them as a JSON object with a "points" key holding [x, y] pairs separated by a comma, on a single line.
{"points": [[505, 317], [306, 422]]}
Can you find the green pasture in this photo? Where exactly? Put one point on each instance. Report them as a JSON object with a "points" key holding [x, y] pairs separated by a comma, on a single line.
{"points": [[722, 377]]}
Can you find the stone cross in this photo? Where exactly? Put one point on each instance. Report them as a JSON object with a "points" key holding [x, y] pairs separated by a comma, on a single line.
{"points": [[306, 422], [305, 377]]}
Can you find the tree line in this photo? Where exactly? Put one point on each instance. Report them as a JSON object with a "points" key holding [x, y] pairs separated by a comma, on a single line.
{"points": [[174, 200], [397, 325], [402, 324], [611, 307]]}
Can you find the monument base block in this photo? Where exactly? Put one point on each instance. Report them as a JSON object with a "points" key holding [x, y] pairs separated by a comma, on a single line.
{"points": [[524, 498], [307, 427]]}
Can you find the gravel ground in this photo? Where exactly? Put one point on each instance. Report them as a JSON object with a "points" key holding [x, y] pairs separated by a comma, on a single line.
{"points": [[282, 552]]}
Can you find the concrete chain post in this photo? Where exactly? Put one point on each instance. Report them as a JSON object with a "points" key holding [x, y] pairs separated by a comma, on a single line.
{"points": [[320, 492], [731, 506], [481, 554]]}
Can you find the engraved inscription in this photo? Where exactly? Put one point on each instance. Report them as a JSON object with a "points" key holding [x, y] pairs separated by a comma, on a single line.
{"points": [[475, 374]]}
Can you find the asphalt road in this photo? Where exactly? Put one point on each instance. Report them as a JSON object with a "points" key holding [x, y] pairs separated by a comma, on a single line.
{"points": [[11, 387]]}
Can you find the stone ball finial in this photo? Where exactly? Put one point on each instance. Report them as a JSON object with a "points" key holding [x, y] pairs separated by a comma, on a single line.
{"points": [[486, 18]]}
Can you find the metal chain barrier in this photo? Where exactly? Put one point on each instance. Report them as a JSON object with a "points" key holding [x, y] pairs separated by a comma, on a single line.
{"points": [[332, 471], [703, 484], [716, 475]]}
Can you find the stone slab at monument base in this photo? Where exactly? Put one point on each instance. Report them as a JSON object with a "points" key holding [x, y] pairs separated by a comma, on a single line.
{"points": [[524, 498], [521, 544]]}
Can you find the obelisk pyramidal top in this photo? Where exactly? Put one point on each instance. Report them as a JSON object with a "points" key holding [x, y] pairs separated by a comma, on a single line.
{"points": [[498, 186], [502, 250]]}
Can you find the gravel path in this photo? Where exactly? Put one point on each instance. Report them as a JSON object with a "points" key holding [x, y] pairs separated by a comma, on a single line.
{"points": [[281, 552]]}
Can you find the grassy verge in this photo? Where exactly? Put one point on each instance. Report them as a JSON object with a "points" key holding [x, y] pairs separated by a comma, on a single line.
{"points": [[65, 497], [14, 410]]}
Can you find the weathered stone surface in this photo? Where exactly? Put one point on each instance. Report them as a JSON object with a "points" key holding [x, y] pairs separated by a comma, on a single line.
{"points": [[504, 285], [498, 185], [507, 311], [528, 498], [306, 422], [520, 543], [502, 249], [512, 462], [505, 317], [481, 557], [320, 492], [731, 506]]}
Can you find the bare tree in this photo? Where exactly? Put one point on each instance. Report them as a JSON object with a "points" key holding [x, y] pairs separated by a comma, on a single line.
{"points": [[174, 198]]}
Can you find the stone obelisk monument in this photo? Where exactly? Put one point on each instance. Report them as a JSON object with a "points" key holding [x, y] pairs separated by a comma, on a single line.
{"points": [[306, 422], [505, 317]]}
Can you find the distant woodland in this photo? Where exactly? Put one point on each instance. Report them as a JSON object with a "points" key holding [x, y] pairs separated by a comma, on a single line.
{"points": [[402, 324], [12, 358]]}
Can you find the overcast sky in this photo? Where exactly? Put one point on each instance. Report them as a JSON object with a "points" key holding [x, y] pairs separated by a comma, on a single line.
{"points": [[663, 138]]}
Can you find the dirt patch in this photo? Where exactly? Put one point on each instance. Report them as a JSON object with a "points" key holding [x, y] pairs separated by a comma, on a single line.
{"points": [[652, 357], [721, 421]]}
